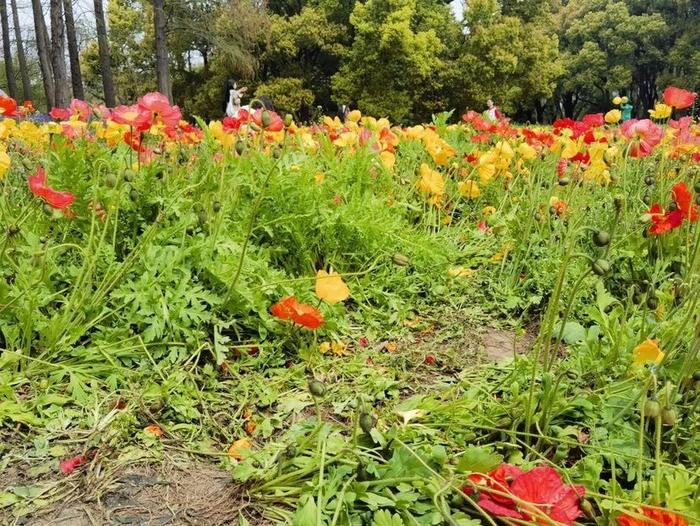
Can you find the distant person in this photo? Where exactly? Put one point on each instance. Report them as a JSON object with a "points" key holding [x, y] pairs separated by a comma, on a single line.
{"points": [[626, 108], [492, 113]]}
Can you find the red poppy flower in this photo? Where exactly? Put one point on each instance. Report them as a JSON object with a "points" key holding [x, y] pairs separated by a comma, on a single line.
{"points": [[133, 116], [235, 123], [643, 134], [160, 108], [55, 199], [652, 517], [61, 114], [593, 120], [81, 109], [679, 98], [684, 202], [276, 123], [301, 313], [8, 107], [531, 495], [665, 221]]}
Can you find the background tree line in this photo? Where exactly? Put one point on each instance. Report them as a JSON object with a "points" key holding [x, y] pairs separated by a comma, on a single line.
{"points": [[405, 59]]}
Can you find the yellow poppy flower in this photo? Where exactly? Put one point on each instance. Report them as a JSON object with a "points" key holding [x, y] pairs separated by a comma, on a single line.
{"points": [[613, 116], [647, 352], [330, 287]]}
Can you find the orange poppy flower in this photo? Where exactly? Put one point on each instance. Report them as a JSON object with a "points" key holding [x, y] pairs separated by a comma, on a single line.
{"points": [[301, 313], [652, 517]]}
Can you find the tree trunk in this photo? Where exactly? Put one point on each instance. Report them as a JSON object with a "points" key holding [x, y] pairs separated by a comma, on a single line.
{"points": [[105, 60], [42, 46], [76, 77], [162, 66], [24, 72], [7, 51], [58, 54]]}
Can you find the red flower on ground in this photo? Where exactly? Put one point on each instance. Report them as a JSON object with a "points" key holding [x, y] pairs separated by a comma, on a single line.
{"points": [[652, 516], [133, 116], [54, 198], [679, 98], [160, 108], [430, 360], [643, 134], [530, 495], [301, 313], [68, 465]]}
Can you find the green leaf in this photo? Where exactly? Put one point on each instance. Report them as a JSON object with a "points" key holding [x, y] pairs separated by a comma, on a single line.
{"points": [[306, 514], [385, 518], [7, 499], [478, 459], [573, 332]]}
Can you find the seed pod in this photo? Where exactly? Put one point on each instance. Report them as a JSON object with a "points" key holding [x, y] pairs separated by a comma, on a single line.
{"points": [[400, 260], [601, 266], [291, 451], [697, 187], [601, 238], [316, 388], [362, 473], [202, 217], [696, 376], [288, 120], [676, 267], [644, 285], [646, 198], [652, 409], [12, 230], [265, 118], [276, 153], [366, 422], [216, 206], [134, 195], [129, 175], [563, 181], [110, 180], [619, 203], [649, 180], [637, 297], [652, 302], [240, 147], [669, 416]]}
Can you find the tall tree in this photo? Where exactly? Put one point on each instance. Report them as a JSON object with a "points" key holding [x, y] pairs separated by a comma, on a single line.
{"points": [[7, 51], [76, 77], [58, 54], [162, 65], [105, 60], [21, 58], [42, 45]]}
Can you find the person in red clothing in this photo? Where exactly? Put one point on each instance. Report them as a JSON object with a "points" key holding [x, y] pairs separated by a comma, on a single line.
{"points": [[492, 112]]}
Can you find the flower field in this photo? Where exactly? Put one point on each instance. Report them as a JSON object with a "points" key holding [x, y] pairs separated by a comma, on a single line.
{"points": [[308, 308]]}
